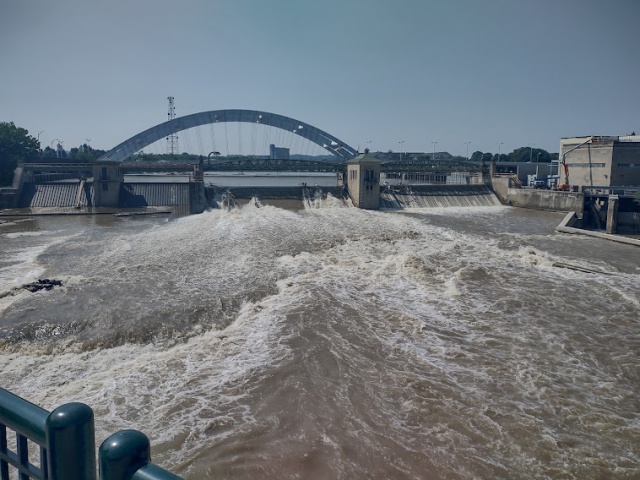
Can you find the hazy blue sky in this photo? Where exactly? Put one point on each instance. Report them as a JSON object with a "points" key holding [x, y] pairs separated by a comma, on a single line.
{"points": [[452, 71]]}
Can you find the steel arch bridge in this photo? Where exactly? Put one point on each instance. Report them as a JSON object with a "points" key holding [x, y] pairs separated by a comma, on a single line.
{"points": [[130, 146]]}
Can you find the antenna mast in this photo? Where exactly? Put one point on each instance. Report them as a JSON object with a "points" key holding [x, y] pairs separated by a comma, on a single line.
{"points": [[172, 139]]}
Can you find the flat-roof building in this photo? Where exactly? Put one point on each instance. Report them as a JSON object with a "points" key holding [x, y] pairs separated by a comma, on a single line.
{"points": [[600, 161], [278, 153]]}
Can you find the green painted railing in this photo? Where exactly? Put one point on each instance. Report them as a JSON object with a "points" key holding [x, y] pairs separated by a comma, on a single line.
{"points": [[65, 438]]}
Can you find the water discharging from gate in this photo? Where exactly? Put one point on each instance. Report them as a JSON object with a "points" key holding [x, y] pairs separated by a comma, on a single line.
{"points": [[446, 196]]}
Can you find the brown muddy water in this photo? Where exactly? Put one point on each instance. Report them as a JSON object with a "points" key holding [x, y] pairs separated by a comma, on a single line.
{"points": [[334, 343]]}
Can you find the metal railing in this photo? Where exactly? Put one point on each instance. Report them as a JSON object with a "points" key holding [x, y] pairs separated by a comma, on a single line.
{"points": [[65, 443], [616, 190]]}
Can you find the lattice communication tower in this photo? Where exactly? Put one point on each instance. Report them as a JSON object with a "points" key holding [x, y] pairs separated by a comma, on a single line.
{"points": [[172, 140]]}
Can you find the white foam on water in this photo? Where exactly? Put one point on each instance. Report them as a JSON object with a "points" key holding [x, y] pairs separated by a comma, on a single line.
{"points": [[469, 211], [38, 233], [191, 393]]}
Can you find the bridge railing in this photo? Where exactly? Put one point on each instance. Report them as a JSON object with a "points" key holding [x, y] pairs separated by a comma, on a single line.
{"points": [[60, 445]]}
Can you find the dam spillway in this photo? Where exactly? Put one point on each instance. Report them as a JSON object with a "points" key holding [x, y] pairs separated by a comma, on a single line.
{"points": [[438, 196], [170, 192]]}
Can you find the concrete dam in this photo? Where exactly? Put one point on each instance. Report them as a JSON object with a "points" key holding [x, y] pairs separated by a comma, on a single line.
{"points": [[177, 196], [105, 187]]}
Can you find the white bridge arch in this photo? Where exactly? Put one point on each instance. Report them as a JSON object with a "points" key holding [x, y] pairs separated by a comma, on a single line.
{"points": [[130, 146]]}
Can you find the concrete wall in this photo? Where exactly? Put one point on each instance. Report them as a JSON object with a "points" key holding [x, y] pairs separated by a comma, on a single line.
{"points": [[500, 187], [545, 200], [626, 164], [538, 199]]}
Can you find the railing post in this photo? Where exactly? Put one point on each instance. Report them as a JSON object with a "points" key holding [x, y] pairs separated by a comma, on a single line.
{"points": [[122, 454], [71, 444]]}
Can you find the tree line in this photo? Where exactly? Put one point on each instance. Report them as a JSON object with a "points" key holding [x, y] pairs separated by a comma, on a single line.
{"points": [[17, 145], [522, 154]]}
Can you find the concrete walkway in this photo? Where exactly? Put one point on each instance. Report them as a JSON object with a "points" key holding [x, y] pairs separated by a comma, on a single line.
{"points": [[571, 218]]}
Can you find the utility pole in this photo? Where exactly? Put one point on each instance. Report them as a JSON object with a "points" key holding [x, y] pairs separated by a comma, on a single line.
{"points": [[467, 143], [172, 139]]}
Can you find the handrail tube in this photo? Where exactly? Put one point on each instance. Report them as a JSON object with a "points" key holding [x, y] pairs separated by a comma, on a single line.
{"points": [[154, 472], [122, 453], [126, 455], [66, 437], [71, 443], [23, 416]]}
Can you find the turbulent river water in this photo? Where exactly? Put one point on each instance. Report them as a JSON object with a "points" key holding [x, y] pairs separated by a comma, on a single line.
{"points": [[329, 342]]}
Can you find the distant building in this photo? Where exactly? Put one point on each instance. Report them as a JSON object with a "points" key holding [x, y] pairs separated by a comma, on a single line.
{"points": [[278, 153], [601, 161], [363, 181]]}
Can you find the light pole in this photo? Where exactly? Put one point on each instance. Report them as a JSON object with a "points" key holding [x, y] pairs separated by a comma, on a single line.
{"points": [[367, 143], [434, 151], [499, 145], [531, 152], [467, 144], [401, 142]]}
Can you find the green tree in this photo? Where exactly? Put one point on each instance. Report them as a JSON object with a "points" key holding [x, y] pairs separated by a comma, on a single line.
{"points": [[84, 154], [48, 152], [476, 156], [526, 154], [16, 145]]}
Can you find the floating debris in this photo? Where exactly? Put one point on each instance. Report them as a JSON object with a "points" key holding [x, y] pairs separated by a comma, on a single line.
{"points": [[578, 269], [42, 284]]}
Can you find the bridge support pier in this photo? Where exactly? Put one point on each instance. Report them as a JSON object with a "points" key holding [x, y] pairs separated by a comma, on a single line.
{"points": [[197, 198], [363, 176], [107, 182]]}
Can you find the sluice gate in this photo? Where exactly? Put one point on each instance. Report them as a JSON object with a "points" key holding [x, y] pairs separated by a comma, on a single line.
{"points": [[80, 194], [136, 195], [67, 194]]}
